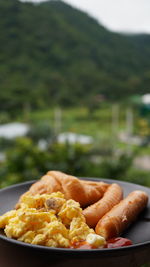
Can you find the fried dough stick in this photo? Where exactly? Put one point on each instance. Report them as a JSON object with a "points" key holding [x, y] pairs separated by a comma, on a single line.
{"points": [[122, 215], [85, 192], [95, 212]]}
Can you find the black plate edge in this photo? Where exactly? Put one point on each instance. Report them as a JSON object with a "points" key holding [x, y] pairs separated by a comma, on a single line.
{"points": [[65, 250]]}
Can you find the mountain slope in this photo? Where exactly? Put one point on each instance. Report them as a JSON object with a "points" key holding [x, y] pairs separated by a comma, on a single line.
{"points": [[52, 53]]}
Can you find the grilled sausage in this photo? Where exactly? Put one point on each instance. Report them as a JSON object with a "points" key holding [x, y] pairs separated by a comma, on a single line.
{"points": [[122, 215], [95, 212]]}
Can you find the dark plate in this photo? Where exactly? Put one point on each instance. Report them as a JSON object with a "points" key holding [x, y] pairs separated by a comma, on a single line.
{"points": [[139, 233]]}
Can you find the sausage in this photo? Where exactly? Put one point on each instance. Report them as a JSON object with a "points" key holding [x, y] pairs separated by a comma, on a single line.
{"points": [[95, 212], [122, 215]]}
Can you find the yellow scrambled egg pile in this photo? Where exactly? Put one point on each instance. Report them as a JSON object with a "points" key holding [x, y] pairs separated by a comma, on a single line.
{"points": [[48, 220]]}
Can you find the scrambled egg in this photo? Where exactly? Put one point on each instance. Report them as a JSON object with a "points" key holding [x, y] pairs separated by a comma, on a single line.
{"points": [[48, 220], [96, 240]]}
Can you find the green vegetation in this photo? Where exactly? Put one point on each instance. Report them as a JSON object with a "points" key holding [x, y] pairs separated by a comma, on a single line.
{"points": [[76, 120], [52, 54], [107, 157], [25, 161]]}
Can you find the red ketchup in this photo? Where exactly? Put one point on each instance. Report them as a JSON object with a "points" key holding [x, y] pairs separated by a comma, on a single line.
{"points": [[81, 245], [118, 242], [111, 243]]}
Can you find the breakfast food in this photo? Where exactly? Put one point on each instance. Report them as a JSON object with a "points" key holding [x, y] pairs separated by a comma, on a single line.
{"points": [[122, 215], [84, 192], [50, 213], [95, 212], [49, 220]]}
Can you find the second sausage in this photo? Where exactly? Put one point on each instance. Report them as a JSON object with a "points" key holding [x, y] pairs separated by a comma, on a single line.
{"points": [[95, 212]]}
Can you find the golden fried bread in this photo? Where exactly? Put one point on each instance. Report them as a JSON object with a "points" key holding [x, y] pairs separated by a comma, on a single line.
{"points": [[84, 192]]}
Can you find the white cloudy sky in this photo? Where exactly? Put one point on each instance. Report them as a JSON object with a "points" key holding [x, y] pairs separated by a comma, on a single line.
{"points": [[117, 15]]}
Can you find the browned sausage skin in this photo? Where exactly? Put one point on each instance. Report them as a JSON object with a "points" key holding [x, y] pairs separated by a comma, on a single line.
{"points": [[95, 212], [122, 215]]}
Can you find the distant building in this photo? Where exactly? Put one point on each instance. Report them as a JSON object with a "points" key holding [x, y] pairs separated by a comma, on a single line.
{"points": [[73, 138], [13, 130], [146, 99]]}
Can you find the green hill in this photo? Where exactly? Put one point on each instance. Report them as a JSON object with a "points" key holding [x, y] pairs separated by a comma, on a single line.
{"points": [[52, 53]]}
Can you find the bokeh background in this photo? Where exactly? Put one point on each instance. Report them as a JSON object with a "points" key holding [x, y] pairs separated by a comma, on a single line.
{"points": [[75, 89]]}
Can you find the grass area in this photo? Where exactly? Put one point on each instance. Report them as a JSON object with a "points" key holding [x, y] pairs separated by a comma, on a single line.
{"points": [[78, 120], [99, 125], [103, 124], [138, 150]]}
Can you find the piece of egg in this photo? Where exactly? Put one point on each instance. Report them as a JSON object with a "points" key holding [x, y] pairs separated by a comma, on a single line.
{"points": [[95, 240]]}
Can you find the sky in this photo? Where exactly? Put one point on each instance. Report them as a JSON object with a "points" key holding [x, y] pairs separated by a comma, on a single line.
{"points": [[116, 15]]}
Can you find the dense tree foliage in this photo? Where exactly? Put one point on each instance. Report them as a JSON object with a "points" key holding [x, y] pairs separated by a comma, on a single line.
{"points": [[52, 53], [25, 161]]}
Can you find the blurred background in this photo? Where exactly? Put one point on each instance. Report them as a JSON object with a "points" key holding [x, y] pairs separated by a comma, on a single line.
{"points": [[75, 89]]}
